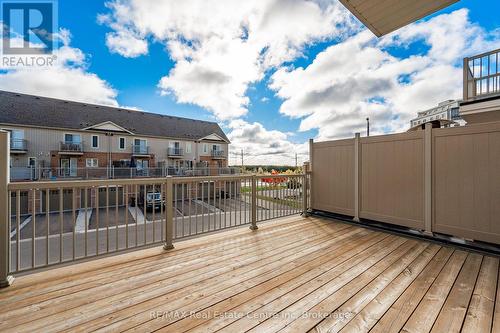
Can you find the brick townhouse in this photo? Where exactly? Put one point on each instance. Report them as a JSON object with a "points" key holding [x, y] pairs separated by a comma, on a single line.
{"points": [[68, 136]]}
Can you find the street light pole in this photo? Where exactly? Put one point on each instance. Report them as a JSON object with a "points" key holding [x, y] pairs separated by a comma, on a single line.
{"points": [[367, 126]]}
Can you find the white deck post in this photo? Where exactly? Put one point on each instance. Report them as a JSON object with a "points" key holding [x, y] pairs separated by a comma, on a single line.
{"points": [[253, 226], [5, 278], [169, 219]]}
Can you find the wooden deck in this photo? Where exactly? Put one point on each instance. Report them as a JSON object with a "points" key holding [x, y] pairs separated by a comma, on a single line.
{"points": [[292, 275]]}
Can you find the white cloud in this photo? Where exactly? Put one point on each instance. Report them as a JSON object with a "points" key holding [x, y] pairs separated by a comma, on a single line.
{"points": [[68, 78], [263, 146], [220, 47], [359, 78], [126, 44]]}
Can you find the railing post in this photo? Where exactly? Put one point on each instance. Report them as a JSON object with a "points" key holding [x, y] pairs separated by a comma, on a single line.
{"points": [[357, 170], [5, 278], [465, 70], [169, 218], [311, 157], [253, 226], [304, 191], [428, 178]]}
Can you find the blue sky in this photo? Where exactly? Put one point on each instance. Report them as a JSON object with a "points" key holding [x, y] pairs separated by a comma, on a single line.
{"points": [[272, 109]]}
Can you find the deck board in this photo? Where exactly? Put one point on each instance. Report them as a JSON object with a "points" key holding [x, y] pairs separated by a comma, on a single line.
{"points": [[292, 275]]}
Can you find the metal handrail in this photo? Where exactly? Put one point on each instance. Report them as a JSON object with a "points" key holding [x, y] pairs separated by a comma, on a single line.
{"points": [[71, 146], [217, 153], [18, 144], [174, 151], [140, 149]]}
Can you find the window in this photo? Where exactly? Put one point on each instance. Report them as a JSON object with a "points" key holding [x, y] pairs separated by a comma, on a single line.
{"points": [[188, 147], [16, 139], [121, 143], [91, 162], [95, 141], [140, 146], [72, 138], [205, 148]]}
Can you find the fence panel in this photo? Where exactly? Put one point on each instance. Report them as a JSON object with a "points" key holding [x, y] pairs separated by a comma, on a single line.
{"points": [[333, 176], [466, 181], [392, 179]]}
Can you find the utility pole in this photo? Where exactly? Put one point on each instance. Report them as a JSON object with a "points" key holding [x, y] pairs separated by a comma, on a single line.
{"points": [[296, 161], [367, 126], [242, 158]]}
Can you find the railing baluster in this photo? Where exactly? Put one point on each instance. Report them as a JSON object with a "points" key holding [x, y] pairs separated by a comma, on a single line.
{"points": [[196, 207], [86, 221], [47, 225], [169, 220], [116, 217], [136, 206], [18, 230], [73, 219], [98, 213], [190, 195], [145, 211], [126, 203], [61, 223], [253, 226], [154, 210], [33, 226], [107, 218]]}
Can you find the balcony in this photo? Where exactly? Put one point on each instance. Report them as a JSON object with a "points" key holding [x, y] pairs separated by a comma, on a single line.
{"points": [[140, 150], [175, 152], [481, 88], [18, 146], [70, 148], [482, 75], [218, 154]]}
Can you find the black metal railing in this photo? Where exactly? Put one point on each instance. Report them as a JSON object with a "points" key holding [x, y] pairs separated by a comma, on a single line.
{"points": [[71, 146], [18, 144], [140, 150], [175, 151], [218, 153]]}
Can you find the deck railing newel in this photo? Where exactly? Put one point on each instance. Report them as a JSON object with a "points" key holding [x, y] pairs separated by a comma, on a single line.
{"points": [[305, 188], [169, 221], [5, 278], [253, 226]]}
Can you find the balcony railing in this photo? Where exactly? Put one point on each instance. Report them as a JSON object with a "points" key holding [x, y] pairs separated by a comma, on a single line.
{"points": [[144, 212], [71, 147], [140, 150], [175, 152], [18, 145], [482, 75], [218, 154], [48, 173]]}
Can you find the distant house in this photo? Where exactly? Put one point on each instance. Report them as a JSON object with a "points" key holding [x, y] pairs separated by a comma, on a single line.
{"points": [[444, 114], [67, 136]]}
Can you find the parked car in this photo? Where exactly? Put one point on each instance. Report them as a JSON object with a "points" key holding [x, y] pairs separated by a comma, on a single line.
{"points": [[152, 199]]}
